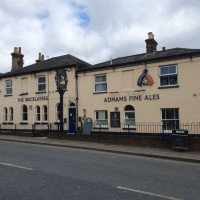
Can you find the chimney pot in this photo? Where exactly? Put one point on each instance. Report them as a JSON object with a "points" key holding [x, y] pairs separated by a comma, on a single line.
{"points": [[150, 35], [19, 50], [15, 50]]}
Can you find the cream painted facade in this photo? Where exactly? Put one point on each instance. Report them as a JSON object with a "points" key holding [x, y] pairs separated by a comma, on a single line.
{"points": [[122, 82], [116, 87], [28, 95]]}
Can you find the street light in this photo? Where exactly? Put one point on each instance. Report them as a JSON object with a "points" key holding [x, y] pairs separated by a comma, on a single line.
{"points": [[61, 83]]}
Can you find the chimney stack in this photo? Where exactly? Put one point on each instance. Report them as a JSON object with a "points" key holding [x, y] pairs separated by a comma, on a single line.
{"points": [[151, 44], [40, 58], [17, 59]]}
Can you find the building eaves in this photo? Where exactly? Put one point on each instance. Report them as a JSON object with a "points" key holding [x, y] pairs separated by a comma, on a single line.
{"points": [[50, 64], [171, 54]]}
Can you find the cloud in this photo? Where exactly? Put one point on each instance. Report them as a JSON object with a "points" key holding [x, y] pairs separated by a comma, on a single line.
{"points": [[94, 30]]}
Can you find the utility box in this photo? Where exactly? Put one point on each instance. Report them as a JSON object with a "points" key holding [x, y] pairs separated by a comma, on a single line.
{"points": [[87, 127], [180, 139]]}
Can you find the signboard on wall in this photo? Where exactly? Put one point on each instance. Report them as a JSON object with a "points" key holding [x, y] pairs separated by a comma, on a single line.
{"points": [[115, 119]]}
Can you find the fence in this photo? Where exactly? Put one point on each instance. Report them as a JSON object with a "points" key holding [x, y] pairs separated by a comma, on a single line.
{"points": [[146, 128], [137, 128]]}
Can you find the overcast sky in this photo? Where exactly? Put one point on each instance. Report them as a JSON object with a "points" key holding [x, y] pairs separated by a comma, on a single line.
{"points": [[94, 30]]}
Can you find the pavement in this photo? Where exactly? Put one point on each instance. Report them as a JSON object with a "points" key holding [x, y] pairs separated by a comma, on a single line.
{"points": [[186, 156]]}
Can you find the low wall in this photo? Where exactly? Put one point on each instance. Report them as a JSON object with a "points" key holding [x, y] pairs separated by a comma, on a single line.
{"points": [[144, 141]]}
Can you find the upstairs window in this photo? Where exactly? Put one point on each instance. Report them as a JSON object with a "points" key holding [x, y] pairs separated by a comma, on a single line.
{"points": [[41, 84], [168, 76], [100, 83], [9, 87]]}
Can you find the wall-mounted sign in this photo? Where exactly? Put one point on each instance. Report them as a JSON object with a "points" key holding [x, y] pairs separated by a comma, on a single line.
{"points": [[145, 79], [44, 98], [149, 97], [115, 119]]}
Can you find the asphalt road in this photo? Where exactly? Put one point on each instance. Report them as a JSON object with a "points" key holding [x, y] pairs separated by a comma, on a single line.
{"points": [[30, 171]]}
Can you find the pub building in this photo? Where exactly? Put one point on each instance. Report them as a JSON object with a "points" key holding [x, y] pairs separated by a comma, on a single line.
{"points": [[159, 86]]}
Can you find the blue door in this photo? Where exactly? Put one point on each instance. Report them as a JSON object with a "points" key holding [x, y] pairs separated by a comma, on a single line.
{"points": [[72, 119]]}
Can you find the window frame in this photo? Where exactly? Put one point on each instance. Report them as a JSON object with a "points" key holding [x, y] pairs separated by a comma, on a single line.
{"points": [[24, 113], [97, 125], [57, 112], [38, 114], [168, 75], [43, 83], [8, 87], [100, 83], [129, 111], [5, 112], [11, 111], [176, 121], [45, 119]]}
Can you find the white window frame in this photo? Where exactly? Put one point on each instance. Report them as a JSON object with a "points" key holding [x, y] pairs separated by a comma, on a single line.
{"points": [[162, 120], [97, 125], [125, 118], [24, 113], [168, 75], [45, 114], [100, 83], [8, 87], [5, 114], [43, 83], [57, 113], [37, 114], [11, 114]]}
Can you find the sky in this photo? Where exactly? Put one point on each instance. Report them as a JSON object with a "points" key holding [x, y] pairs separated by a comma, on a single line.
{"points": [[94, 30]]}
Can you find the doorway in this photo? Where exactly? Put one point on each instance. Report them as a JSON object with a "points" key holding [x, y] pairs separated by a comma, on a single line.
{"points": [[72, 119]]}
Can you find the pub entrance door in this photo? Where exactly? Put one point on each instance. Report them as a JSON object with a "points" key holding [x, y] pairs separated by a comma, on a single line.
{"points": [[72, 119]]}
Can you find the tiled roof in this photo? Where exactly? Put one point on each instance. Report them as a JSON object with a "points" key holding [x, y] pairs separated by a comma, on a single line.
{"points": [[52, 63], [158, 55]]}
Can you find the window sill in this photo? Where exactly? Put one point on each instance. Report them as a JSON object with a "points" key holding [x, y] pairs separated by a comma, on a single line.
{"points": [[100, 92], [7, 95], [44, 123], [23, 123], [168, 86], [37, 123], [105, 128], [40, 92], [22, 94], [129, 128]]}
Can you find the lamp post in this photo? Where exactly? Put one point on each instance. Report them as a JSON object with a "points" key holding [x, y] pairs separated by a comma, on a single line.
{"points": [[61, 82]]}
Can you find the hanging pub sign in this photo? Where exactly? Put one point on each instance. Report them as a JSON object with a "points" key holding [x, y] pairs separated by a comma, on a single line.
{"points": [[115, 119], [61, 79]]}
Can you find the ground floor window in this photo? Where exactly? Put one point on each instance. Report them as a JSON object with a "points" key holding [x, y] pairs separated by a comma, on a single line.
{"points": [[58, 112], [5, 114], [37, 113], [24, 113], [45, 117], [11, 114], [101, 119], [129, 116], [170, 119]]}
